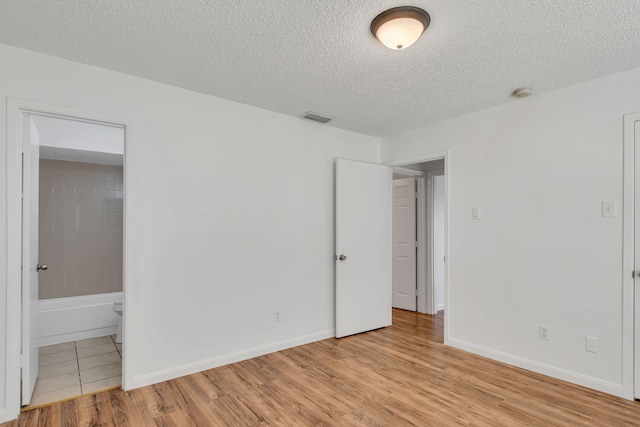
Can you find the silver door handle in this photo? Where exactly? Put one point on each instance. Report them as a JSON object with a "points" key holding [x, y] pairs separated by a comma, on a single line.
{"points": [[342, 257], [41, 267]]}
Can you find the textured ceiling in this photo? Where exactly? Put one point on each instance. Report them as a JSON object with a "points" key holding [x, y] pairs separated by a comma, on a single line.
{"points": [[294, 56]]}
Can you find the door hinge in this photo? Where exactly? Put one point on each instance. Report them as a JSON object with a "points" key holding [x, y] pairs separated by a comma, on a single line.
{"points": [[416, 243], [417, 194], [416, 292]]}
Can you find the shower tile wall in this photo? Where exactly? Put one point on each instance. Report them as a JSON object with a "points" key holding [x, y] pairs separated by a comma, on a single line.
{"points": [[80, 228]]}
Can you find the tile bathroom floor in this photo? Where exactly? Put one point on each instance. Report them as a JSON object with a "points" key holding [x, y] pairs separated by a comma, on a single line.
{"points": [[76, 368]]}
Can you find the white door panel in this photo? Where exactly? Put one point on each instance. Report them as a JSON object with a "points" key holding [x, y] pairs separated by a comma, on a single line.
{"points": [[363, 236], [30, 182], [404, 244]]}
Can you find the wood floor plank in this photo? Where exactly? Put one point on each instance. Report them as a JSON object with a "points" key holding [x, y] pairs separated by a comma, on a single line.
{"points": [[93, 411], [197, 404], [119, 405], [397, 376], [177, 418], [27, 419]]}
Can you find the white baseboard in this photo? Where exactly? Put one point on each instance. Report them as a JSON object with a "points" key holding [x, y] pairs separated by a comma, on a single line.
{"points": [[439, 308], [203, 365], [541, 368]]}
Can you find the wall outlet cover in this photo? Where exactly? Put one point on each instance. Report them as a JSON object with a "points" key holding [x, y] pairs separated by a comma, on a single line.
{"points": [[475, 212], [609, 209], [544, 332]]}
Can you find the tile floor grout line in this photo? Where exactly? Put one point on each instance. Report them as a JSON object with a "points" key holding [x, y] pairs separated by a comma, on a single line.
{"points": [[75, 344], [116, 344]]}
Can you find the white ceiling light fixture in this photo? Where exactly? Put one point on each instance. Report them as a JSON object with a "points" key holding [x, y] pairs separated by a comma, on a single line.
{"points": [[400, 27]]}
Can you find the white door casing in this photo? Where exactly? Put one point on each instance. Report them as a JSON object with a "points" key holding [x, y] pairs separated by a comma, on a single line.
{"points": [[636, 255], [30, 182], [363, 237], [438, 241], [404, 244], [436, 267]]}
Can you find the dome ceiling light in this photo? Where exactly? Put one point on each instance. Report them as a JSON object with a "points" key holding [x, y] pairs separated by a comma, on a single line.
{"points": [[400, 27]]}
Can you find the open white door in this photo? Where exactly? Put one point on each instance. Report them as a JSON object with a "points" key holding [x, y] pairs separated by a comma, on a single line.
{"points": [[363, 247], [30, 183], [404, 244]]}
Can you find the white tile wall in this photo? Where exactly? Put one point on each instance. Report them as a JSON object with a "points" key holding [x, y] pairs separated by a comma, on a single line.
{"points": [[80, 228]]}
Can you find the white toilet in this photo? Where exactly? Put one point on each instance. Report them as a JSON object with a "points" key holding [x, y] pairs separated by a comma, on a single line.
{"points": [[117, 308]]}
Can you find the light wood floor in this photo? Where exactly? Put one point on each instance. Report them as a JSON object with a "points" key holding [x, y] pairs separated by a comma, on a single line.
{"points": [[396, 376]]}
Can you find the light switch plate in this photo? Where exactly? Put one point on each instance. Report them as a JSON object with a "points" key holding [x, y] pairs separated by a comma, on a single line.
{"points": [[475, 213], [608, 209]]}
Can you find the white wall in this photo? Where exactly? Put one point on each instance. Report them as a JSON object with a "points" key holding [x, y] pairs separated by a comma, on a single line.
{"points": [[541, 253], [209, 258]]}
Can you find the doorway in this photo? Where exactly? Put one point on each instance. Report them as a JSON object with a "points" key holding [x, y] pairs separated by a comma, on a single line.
{"points": [[404, 272], [79, 216], [70, 176], [426, 291], [631, 257], [418, 261]]}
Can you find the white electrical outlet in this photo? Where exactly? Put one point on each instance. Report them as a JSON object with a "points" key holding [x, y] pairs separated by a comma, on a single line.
{"points": [[544, 332], [592, 344], [276, 316]]}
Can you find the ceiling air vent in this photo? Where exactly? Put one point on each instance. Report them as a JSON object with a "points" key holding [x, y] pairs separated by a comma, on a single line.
{"points": [[316, 117]]}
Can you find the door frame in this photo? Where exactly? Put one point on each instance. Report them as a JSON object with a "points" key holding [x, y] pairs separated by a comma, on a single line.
{"points": [[421, 225], [424, 278], [421, 158], [430, 299], [16, 108], [416, 252], [629, 308]]}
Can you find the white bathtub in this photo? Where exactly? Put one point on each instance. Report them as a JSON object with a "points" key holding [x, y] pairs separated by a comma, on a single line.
{"points": [[76, 318]]}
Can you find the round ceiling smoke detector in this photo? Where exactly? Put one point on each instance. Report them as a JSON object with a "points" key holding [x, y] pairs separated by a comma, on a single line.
{"points": [[523, 92]]}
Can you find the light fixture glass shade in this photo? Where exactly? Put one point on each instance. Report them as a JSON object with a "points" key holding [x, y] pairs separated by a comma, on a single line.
{"points": [[400, 33], [400, 27]]}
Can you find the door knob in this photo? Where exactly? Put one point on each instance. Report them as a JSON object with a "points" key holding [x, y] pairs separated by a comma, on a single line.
{"points": [[342, 257], [41, 267]]}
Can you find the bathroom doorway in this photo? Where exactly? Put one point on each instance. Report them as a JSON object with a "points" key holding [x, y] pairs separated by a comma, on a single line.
{"points": [[73, 257]]}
